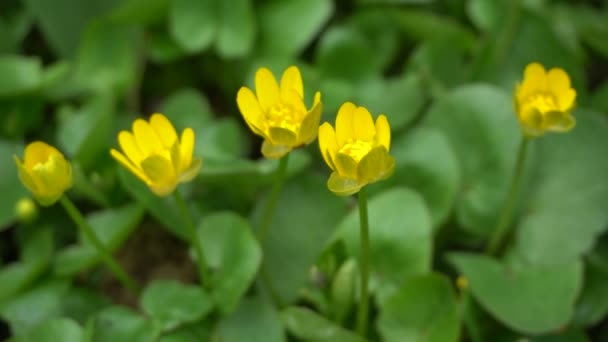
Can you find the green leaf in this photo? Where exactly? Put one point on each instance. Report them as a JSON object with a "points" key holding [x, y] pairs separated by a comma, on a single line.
{"points": [[20, 75], [400, 238], [35, 306], [303, 220], [482, 129], [118, 323], [423, 309], [426, 25], [13, 30], [83, 133], [288, 26], [16, 276], [198, 332], [599, 99], [163, 209], [107, 57], [527, 298], [592, 304], [10, 185], [193, 23], [308, 325], [80, 304], [171, 304], [140, 11], [237, 30], [555, 228], [37, 244], [488, 16], [255, 320], [62, 22], [232, 253], [426, 162], [112, 227], [345, 53], [59, 329]]}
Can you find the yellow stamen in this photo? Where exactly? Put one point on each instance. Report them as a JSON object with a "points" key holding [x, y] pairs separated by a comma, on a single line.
{"points": [[356, 148]]}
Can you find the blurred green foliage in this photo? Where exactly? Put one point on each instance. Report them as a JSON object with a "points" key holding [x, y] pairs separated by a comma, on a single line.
{"points": [[73, 73]]}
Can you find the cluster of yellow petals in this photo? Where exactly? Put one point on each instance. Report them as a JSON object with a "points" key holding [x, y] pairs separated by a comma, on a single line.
{"points": [[544, 101], [278, 113], [154, 153], [357, 150], [44, 172]]}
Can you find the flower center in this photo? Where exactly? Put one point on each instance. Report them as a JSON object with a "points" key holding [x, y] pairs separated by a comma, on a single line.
{"points": [[356, 148], [284, 116], [543, 102]]}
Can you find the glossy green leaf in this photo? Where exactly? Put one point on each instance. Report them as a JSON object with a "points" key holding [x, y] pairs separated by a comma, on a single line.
{"points": [[60, 329], [555, 228], [193, 23], [529, 299], [254, 320], [303, 220], [10, 185], [400, 238], [140, 11], [112, 227], [480, 125], [308, 325], [20, 75], [288, 26], [237, 28], [592, 305], [422, 24], [423, 309], [119, 323], [345, 53], [233, 255], [171, 304]]}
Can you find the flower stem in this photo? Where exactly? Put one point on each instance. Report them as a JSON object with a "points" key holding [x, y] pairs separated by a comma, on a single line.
{"points": [[502, 227], [363, 264], [107, 258], [279, 177], [198, 248]]}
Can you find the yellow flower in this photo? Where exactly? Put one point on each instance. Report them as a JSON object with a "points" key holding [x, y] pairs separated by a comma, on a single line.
{"points": [[155, 155], [544, 101], [45, 172], [278, 114], [357, 151]]}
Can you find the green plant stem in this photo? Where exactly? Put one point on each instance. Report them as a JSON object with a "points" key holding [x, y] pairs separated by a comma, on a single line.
{"points": [[501, 231], [107, 258], [363, 265], [196, 243], [279, 177]]}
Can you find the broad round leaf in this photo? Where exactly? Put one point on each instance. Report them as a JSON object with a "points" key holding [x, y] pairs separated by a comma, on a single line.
{"points": [[59, 329], [119, 323], [310, 326], [255, 320], [193, 23]]}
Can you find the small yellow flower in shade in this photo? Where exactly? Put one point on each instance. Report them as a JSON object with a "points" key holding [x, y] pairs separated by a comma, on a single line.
{"points": [[45, 172], [544, 101], [357, 151], [278, 113], [462, 283], [155, 154], [26, 210]]}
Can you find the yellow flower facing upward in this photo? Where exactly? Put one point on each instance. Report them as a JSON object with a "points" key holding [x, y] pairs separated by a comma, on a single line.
{"points": [[357, 151], [155, 154], [278, 113], [44, 172], [544, 101]]}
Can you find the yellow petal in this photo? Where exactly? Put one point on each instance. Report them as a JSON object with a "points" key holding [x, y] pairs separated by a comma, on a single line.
{"points": [[343, 186], [363, 125], [159, 171], [558, 81], [346, 166], [164, 129], [267, 89], [186, 146], [250, 109], [327, 144], [292, 80], [162, 190], [122, 160], [383, 132], [271, 151], [147, 140], [191, 172], [295, 103], [282, 136], [535, 79], [127, 143], [559, 121], [55, 176], [25, 176], [38, 152], [310, 124], [344, 123], [176, 158], [372, 166], [566, 100]]}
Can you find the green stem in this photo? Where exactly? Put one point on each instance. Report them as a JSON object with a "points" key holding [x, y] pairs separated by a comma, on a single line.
{"points": [[502, 227], [198, 248], [107, 258], [274, 196], [363, 265]]}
